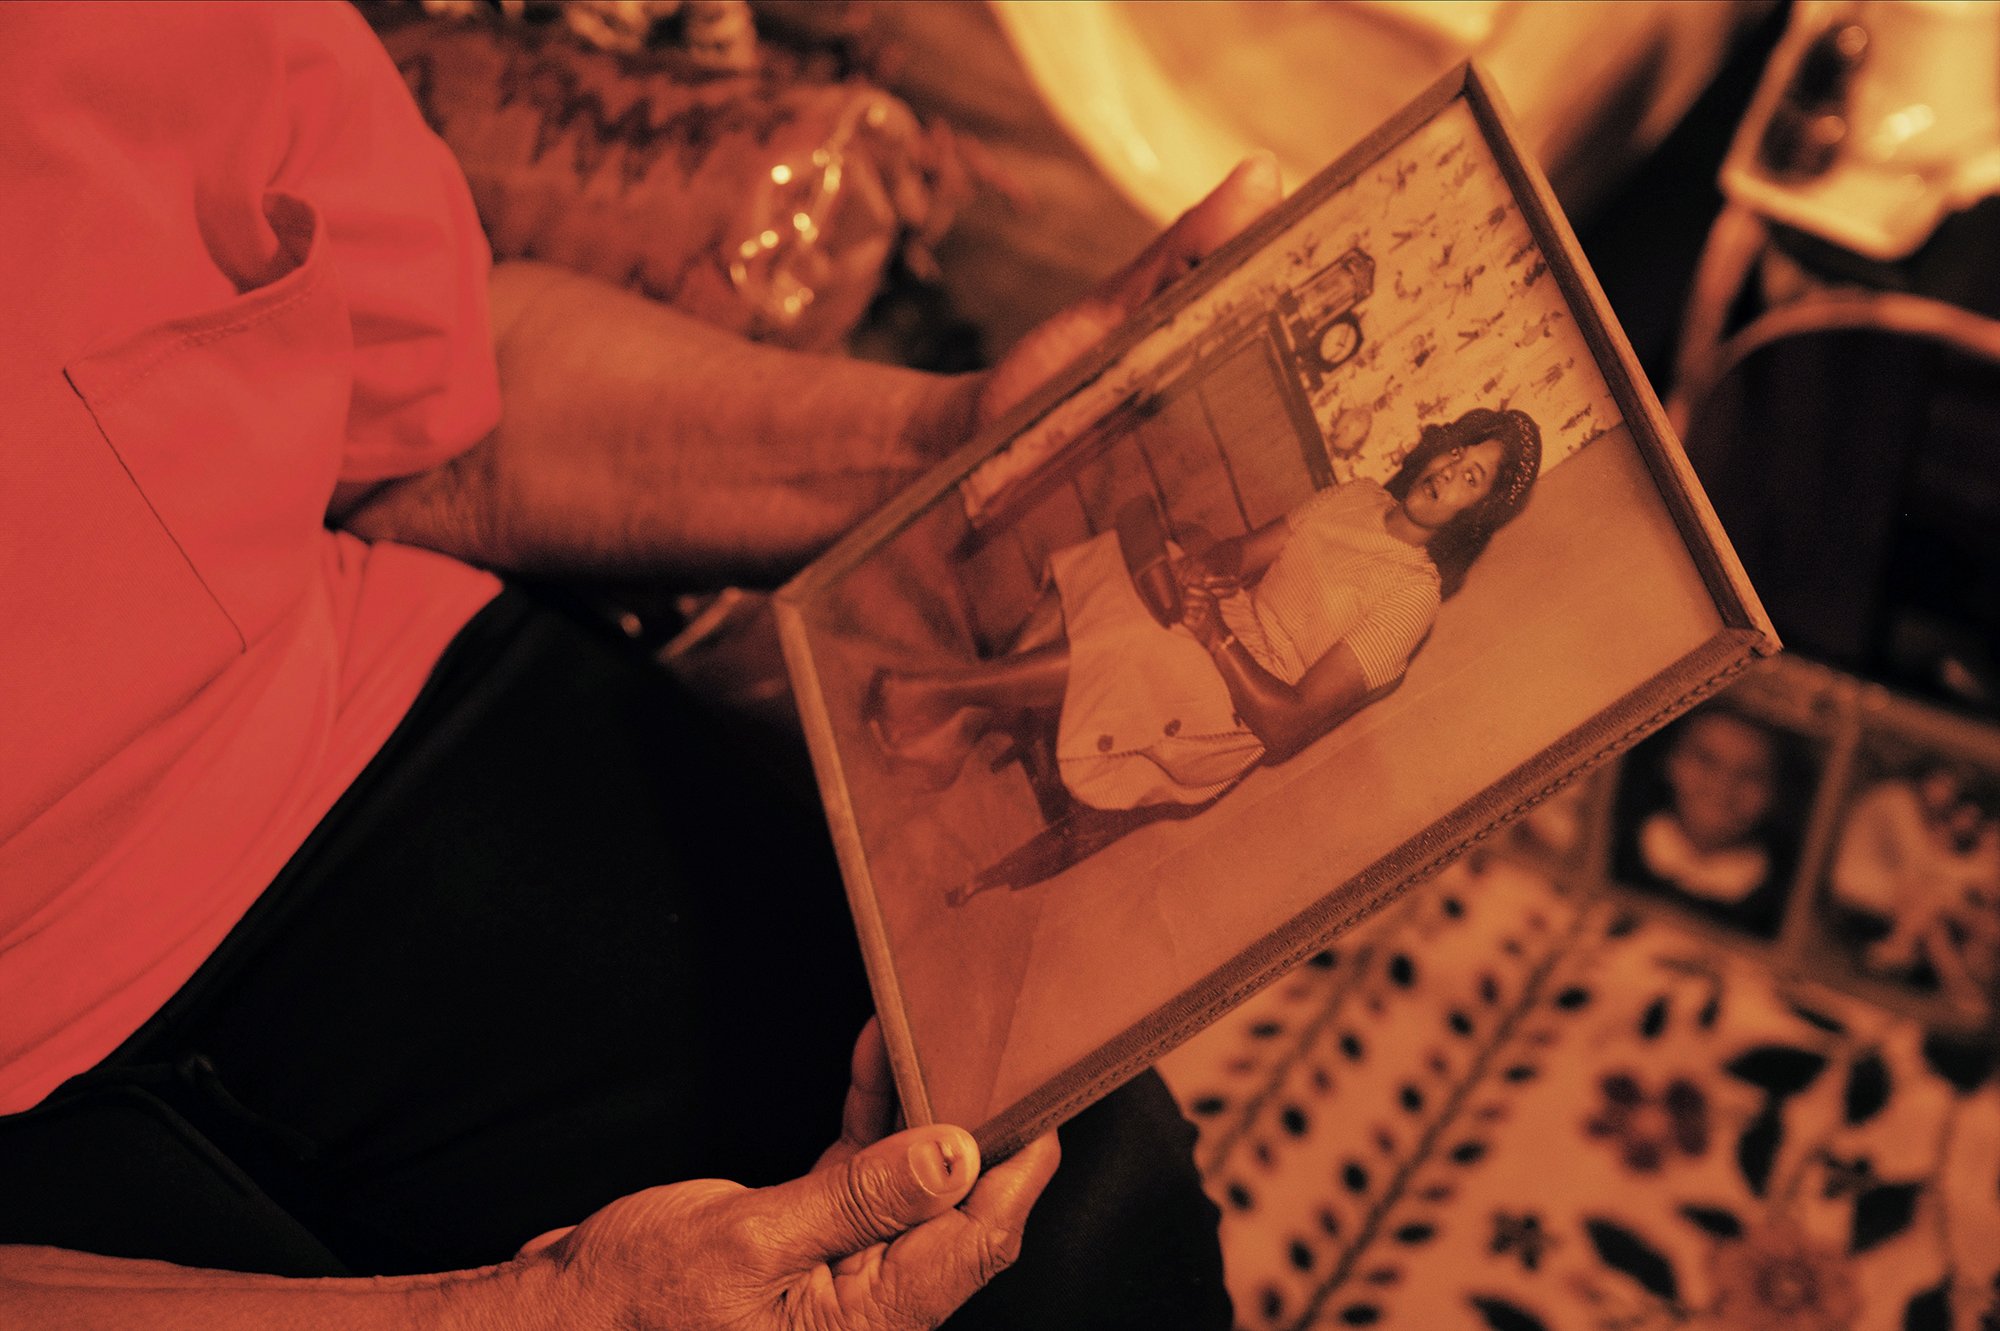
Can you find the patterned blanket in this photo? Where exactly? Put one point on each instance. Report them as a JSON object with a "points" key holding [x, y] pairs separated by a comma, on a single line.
{"points": [[1502, 1107]]}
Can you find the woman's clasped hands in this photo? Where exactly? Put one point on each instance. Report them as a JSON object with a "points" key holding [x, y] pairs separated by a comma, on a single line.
{"points": [[1201, 592]]}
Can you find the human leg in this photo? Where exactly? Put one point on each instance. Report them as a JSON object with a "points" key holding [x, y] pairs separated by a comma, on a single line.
{"points": [[1044, 623], [558, 947], [476, 1007], [918, 701], [928, 721]]}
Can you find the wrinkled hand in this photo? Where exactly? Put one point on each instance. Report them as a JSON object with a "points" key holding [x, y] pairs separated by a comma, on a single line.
{"points": [[1247, 194], [888, 1233]]}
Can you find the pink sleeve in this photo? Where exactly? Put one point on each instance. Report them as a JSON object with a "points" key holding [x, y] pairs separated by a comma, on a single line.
{"points": [[405, 241]]}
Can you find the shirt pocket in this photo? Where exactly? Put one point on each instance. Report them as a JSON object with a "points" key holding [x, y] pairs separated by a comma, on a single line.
{"points": [[230, 421]]}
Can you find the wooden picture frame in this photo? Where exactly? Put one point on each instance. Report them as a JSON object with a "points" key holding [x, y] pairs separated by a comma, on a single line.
{"points": [[1028, 954], [1886, 912], [1877, 820]]}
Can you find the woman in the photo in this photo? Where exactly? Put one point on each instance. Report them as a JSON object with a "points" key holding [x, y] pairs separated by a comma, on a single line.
{"points": [[1279, 633], [1709, 817]]}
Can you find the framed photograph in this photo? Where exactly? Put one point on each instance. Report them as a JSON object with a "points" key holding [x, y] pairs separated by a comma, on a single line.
{"points": [[1847, 837], [1905, 904], [1356, 544], [1712, 816]]}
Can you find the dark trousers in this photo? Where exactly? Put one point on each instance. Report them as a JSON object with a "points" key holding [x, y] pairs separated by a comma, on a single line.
{"points": [[559, 942]]}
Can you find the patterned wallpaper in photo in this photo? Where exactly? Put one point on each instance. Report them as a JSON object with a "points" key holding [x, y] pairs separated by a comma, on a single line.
{"points": [[1464, 312]]}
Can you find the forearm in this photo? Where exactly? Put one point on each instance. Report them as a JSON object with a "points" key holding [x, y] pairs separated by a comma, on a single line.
{"points": [[1287, 716], [1272, 709], [637, 441], [1246, 556], [52, 1288]]}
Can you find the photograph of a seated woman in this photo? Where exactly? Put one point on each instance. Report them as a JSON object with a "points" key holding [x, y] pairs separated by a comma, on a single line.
{"points": [[1709, 814], [1166, 679]]}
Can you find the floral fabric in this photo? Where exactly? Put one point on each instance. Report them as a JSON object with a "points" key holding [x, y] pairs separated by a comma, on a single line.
{"points": [[1504, 1108]]}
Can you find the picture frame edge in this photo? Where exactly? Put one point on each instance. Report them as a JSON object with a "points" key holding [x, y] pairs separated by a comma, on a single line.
{"points": [[857, 882], [1608, 733], [1722, 571]]}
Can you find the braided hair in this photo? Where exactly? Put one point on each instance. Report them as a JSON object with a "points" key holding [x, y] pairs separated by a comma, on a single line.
{"points": [[1454, 546]]}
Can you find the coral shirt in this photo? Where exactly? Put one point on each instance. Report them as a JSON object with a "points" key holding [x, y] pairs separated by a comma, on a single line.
{"points": [[235, 268]]}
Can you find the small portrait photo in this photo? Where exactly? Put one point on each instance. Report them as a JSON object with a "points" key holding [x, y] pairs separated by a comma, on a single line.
{"points": [[1710, 815], [1558, 834], [1910, 896], [1283, 590]]}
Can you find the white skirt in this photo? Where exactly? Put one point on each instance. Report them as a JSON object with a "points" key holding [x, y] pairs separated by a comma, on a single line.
{"points": [[1146, 718]]}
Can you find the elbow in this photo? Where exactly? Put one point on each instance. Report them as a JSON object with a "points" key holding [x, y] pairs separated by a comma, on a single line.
{"points": [[1283, 737], [1283, 748], [1285, 734]]}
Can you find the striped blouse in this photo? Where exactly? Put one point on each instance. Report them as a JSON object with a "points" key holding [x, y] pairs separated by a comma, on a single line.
{"points": [[1341, 577]]}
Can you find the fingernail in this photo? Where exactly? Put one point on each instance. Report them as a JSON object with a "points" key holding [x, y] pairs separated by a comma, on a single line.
{"points": [[935, 1163], [1260, 165]]}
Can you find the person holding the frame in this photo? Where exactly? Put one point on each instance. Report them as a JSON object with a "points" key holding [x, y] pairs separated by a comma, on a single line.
{"points": [[380, 946], [1278, 635]]}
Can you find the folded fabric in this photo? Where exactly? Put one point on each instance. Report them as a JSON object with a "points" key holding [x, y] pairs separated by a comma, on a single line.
{"points": [[769, 202]]}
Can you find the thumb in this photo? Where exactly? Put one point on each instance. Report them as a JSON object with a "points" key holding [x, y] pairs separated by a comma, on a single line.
{"points": [[874, 1195], [541, 1243], [1247, 193]]}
